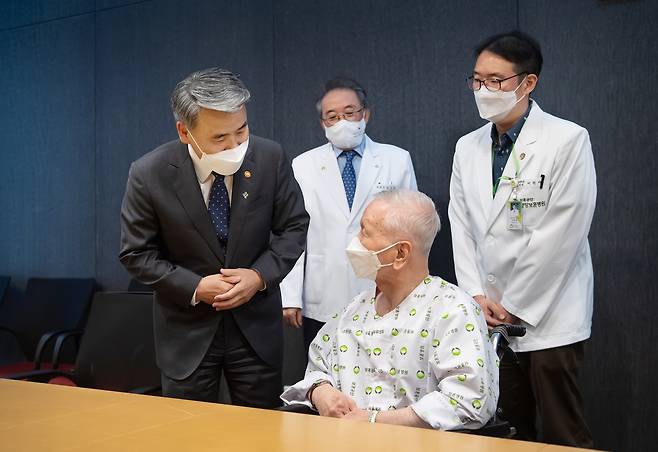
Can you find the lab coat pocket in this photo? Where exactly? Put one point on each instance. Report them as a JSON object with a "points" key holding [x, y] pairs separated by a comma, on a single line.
{"points": [[533, 194]]}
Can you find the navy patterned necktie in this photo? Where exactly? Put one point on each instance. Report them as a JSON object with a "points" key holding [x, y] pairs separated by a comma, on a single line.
{"points": [[219, 208], [349, 177]]}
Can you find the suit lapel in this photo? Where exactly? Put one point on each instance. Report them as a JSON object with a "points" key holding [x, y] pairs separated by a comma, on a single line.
{"points": [[331, 179], [525, 151], [370, 168], [242, 195], [189, 194]]}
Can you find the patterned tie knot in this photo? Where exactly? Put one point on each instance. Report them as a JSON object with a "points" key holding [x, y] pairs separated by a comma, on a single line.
{"points": [[349, 155]]}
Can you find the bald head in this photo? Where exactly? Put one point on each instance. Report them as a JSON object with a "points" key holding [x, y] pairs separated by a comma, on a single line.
{"points": [[406, 215]]}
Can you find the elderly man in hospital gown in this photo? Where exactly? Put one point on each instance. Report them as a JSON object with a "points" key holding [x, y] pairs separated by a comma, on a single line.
{"points": [[414, 350]]}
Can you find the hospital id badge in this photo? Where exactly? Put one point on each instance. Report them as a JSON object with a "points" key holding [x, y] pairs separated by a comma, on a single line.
{"points": [[514, 216]]}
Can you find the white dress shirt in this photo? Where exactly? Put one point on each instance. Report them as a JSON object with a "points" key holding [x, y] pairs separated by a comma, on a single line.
{"points": [[206, 178]]}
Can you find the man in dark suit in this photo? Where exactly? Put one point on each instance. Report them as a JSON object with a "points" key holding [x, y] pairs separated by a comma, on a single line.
{"points": [[213, 223]]}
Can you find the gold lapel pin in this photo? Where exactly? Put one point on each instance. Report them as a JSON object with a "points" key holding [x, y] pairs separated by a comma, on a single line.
{"points": [[522, 156], [247, 174], [245, 195]]}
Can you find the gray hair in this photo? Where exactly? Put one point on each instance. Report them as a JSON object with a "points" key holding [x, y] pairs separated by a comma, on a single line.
{"points": [[411, 214], [213, 88], [343, 83]]}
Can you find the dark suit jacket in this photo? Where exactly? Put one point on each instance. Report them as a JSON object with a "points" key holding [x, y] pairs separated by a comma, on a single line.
{"points": [[168, 243]]}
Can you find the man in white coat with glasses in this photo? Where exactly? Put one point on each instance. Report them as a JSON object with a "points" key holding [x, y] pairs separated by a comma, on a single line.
{"points": [[338, 179], [522, 197]]}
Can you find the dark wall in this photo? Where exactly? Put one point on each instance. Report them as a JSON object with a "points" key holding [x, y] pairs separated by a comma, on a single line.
{"points": [[85, 88]]}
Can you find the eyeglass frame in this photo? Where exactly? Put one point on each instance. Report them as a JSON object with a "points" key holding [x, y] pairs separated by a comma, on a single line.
{"points": [[472, 79], [340, 116]]}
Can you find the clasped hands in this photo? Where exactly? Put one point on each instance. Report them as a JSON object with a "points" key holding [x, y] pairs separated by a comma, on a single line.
{"points": [[494, 313], [230, 288]]}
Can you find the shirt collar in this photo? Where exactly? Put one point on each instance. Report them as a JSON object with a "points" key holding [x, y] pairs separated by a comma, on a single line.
{"points": [[515, 130], [202, 174], [360, 149]]}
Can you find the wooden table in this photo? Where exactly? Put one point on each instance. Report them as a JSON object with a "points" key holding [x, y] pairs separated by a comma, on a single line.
{"points": [[41, 417]]}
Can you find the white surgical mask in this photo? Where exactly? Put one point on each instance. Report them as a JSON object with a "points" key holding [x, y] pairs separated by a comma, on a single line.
{"points": [[346, 134], [365, 263], [225, 162], [495, 106]]}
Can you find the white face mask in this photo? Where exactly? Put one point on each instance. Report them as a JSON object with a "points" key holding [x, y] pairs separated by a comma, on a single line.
{"points": [[346, 134], [365, 263], [225, 162], [495, 106]]}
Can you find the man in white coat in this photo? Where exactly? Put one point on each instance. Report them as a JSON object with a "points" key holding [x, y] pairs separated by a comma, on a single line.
{"points": [[522, 196], [337, 179]]}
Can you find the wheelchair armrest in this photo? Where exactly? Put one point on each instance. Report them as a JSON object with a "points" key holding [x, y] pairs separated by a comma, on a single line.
{"points": [[496, 427], [298, 408]]}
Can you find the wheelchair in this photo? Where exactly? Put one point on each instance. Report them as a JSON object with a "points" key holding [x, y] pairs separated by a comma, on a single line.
{"points": [[497, 426]]}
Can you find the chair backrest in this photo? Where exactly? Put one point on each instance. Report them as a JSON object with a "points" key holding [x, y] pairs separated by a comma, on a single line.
{"points": [[117, 350], [4, 283], [50, 304]]}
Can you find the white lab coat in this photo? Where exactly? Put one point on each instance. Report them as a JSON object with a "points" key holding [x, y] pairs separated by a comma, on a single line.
{"points": [[322, 281], [542, 273]]}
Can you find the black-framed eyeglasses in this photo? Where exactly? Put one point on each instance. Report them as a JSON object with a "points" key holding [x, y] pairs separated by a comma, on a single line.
{"points": [[333, 118], [492, 85]]}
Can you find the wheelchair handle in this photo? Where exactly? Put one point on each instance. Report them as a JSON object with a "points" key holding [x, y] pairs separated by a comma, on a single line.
{"points": [[500, 336]]}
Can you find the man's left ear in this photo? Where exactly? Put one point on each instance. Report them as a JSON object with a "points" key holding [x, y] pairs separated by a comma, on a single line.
{"points": [[531, 83], [182, 132], [404, 251], [366, 115]]}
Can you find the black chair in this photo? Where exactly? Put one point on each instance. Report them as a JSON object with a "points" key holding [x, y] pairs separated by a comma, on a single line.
{"points": [[117, 351], [9, 346], [497, 426], [50, 306]]}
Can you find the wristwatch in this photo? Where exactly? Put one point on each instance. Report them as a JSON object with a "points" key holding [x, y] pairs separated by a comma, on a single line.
{"points": [[313, 387]]}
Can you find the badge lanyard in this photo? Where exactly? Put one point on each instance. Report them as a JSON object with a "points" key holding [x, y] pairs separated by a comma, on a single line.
{"points": [[515, 216], [516, 171]]}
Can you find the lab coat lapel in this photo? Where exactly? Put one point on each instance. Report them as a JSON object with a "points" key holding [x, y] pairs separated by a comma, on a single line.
{"points": [[331, 180], [483, 176], [525, 151]]}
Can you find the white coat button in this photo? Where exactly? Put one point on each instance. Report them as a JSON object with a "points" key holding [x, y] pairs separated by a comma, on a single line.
{"points": [[491, 279]]}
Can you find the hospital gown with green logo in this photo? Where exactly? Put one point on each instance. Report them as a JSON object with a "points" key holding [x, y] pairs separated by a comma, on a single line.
{"points": [[432, 353]]}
